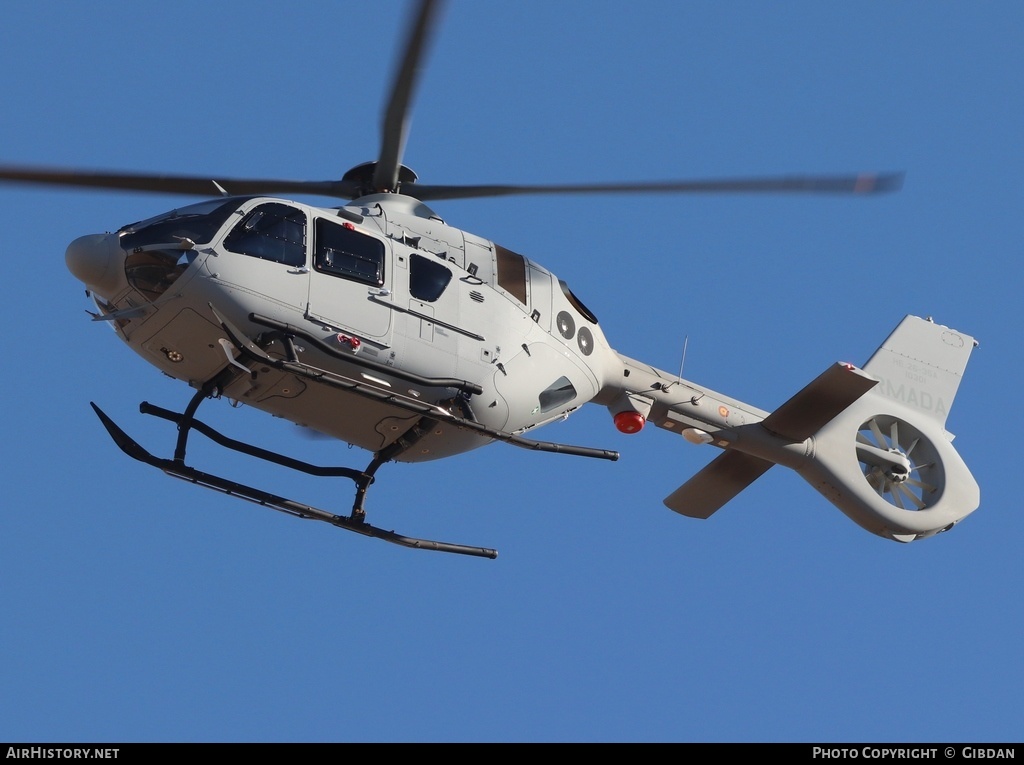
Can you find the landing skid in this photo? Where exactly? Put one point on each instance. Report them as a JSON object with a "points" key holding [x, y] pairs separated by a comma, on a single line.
{"points": [[355, 522], [255, 353]]}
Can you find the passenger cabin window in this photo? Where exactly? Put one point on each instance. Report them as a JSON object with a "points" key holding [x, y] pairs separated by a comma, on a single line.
{"points": [[344, 252], [427, 278], [511, 272], [272, 231]]}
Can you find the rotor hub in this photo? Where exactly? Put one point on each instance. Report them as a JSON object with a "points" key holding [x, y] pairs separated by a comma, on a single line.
{"points": [[363, 175]]}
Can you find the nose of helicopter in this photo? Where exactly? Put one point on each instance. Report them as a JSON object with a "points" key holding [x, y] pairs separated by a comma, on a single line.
{"points": [[97, 261]]}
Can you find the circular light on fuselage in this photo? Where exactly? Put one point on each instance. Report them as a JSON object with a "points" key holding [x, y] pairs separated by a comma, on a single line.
{"points": [[629, 422]]}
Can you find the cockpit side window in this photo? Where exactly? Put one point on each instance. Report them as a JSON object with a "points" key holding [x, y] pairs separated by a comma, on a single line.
{"points": [[427, 278], [272, 231], [345, 252]]}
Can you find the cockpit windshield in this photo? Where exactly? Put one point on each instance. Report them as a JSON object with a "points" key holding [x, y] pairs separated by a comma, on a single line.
{"points": [[198, 222], [157, 250]]}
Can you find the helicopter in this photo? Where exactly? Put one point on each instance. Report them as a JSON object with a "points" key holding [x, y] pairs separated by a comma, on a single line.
{"points": [[379, 324]]}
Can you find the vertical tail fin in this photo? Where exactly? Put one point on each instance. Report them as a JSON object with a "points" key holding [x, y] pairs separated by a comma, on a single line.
{"points": [[920, 365], [902, 479], [872, 440]]}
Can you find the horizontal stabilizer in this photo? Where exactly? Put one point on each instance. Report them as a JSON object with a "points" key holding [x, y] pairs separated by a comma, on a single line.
{"points": [[721, 480], [819, 402], [871, 440]]}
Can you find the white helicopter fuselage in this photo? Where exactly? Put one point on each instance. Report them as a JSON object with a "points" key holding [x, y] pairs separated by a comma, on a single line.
{"points": [[380, 325], [383, 279]]}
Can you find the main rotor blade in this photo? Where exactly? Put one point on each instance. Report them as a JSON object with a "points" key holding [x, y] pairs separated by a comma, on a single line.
{"points": [[865, 183], [396, 118], [207, 186], [172, 184]]}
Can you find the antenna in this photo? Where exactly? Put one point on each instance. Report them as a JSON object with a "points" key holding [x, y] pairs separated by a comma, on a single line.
{"points": [[686, 341], [682, 361]]}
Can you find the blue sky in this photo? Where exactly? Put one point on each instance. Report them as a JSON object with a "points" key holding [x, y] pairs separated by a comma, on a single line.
{"points": [[138, 608]]}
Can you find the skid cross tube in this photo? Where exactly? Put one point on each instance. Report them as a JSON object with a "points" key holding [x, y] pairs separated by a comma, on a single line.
{"points": [[178, 469]]}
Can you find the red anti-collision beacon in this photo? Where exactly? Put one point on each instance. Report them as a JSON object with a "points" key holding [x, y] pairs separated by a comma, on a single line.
{"points": [[629, 422]]}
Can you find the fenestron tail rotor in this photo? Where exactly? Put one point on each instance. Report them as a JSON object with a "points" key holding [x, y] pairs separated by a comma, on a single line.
{"points": [[899, 462]]}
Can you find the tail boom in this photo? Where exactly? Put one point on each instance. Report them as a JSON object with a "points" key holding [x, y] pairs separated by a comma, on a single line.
{"points": [[872, 441]]}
